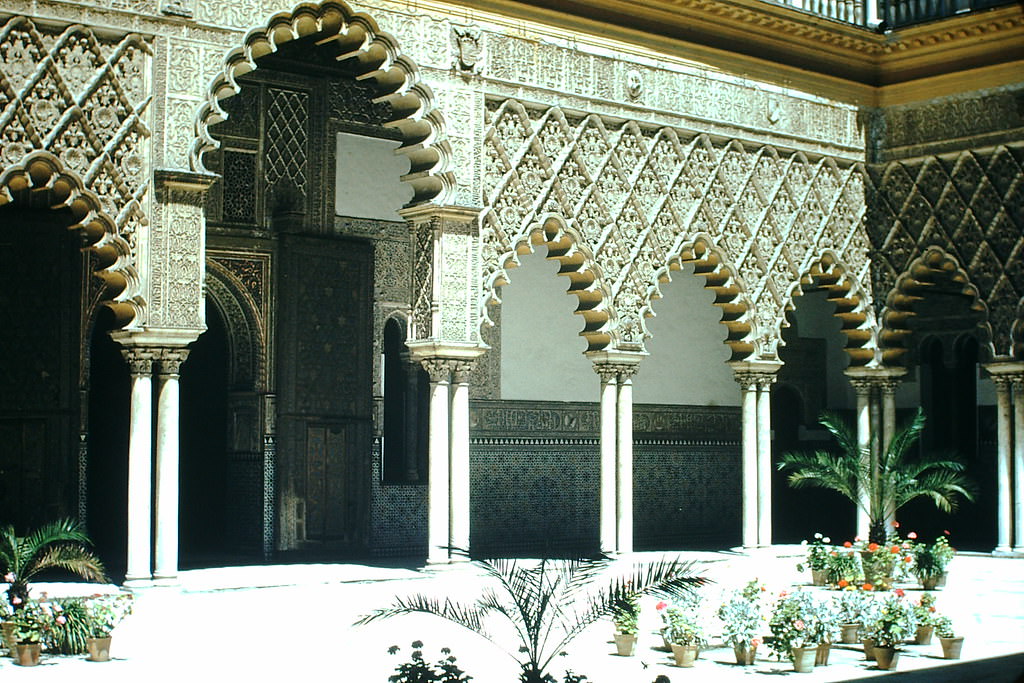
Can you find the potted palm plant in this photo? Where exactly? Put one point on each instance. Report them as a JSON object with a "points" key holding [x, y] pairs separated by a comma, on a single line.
{"points": [[898, 477], [550, 602], [57, 545]]}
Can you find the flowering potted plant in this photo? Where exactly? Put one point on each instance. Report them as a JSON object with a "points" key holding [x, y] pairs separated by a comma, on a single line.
{"points": [[853, 610], [925, 617], [791, 633], [930, 562], [817, 559], [30, 627], [893, 624], [823, 628], [103, 614], [743, 622], [843, 565], [685, 636], [625, 615], [951, 643]]}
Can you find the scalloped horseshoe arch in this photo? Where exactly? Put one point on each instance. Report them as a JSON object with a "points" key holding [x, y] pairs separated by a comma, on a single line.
{"points": [[247, 358], [354, 36], [927, 269], [709, 262], [575, 263], [852, 309], [41, 179]]}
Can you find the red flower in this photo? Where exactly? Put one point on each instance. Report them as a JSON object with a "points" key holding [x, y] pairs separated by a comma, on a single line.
{"points": [[834, 554], [908, 558], [895, 524], [899, 592], [661, 605], [946, 531], [847, 544], [867, 587], [872, 547], [843, 583], [783, 594], [912, 535]]}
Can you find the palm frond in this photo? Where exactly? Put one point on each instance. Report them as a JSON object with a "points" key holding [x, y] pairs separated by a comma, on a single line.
{"points": [[73, 558], [466, 616]]}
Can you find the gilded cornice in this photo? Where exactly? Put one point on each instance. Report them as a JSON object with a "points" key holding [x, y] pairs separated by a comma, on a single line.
{"points": [[788, 46]]}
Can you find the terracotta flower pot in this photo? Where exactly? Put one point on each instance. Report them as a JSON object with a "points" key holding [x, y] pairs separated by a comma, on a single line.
{"points": [[99, 649], [819, 577], [625, 644], [951, 647], [887, 658], [848, 634], [930, 583], [869, 649], [28, 654], [685, 655], [7, 629], [745, 654], [924, 635], [942, 580], [821, 656], [803, 658]]}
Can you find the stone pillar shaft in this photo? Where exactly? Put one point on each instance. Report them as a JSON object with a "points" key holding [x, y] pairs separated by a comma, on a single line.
{"points": [[1018, 465], [140, 465], [1004, 415], [624, 465], [438, 494], [863, 444], [755, 379], [167, 456], [458, 531], [750, 469], [608, 466], [764, 463]]}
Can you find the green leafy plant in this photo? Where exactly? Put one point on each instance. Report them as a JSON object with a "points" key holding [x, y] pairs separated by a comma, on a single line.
{"points": [[843, 567], [791, 623], [58, 545], [549, 603], [823, 626], [626, 614], [31, 623], [897, 479], [105, 612], [925, 613], [894, 621], [944, 627], [817, 553], [418, 670], [70, 627], [742, 616], [855, 606]]}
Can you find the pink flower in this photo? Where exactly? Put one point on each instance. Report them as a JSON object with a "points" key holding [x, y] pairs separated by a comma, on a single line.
{"points": [[912, 535], [755, 642], [61, 619], [661, 605], [783, 594], [899, 592], [9, 577], [895, 524], [15, 600], [798, 624]]}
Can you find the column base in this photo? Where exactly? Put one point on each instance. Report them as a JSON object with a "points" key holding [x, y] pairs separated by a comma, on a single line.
{"points": [[165, 580], [1002, 550], [137, 582]]}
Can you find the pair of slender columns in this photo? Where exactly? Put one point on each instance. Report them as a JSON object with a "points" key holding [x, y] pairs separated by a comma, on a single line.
{"points": [[755, 380], [448, 484], [876, 423], [616, 511], [1009, 381], [142, 502]]}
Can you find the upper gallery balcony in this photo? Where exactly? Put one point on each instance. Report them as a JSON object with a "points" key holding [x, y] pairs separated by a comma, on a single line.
{"points": [[886, 15]]}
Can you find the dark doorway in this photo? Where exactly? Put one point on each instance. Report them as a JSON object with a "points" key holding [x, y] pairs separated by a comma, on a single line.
{"points": [[203, 464]]}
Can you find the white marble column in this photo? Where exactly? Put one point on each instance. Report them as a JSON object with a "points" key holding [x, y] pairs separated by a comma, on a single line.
{"points": [[624, 460], [438, 487], [167, 425], [764, 460], [1018, 464], [863, 390], [1004, 431], [748, 386], [140, 464], [609, 381], [888, 411], [458, 530]]}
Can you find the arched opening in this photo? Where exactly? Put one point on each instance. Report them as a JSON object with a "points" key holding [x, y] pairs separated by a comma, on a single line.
{"points": [[41, 275], [204, 484], [534, 453], [686, 424], [810, 381], [406, 393]]}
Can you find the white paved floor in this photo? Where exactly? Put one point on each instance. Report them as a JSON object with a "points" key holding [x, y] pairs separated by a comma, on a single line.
{"points": [[294, 622]]}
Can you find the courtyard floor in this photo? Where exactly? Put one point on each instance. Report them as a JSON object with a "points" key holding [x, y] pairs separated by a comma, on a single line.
{"points": [[274, 623]]}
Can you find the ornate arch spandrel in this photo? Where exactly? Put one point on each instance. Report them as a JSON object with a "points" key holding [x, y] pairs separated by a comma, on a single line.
{"points": [[935, 265], [376, 54], [41, 174], [245, 323]]}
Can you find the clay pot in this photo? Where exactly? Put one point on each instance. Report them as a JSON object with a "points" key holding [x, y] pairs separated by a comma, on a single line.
{"points": [[951, 647], [685, 655], [803, 659], [99, 649], [28, 654], [821, 656], [848, 634], [887, 658], [819, 577], [924, 635], [625, 644], [869, 649], [745, 654], [7, 630]]}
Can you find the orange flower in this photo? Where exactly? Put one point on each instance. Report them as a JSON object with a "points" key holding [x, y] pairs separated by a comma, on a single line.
{"points": [[847, 544], [894, 550], [895, 524], [908, 558], [843, 583], [872, 547]]}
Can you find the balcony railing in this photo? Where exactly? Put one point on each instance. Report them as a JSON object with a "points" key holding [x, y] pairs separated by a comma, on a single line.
{"points": [[886, 15]]}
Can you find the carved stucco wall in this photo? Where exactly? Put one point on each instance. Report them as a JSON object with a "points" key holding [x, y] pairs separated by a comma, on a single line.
{"points": [[947, 193]]}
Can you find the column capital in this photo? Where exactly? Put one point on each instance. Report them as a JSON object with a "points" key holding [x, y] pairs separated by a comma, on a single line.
{"points": [[1003, 373], [439, 369], [864, 378], [750, 374], [170, 360], [140, 359], [616, 365]]}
